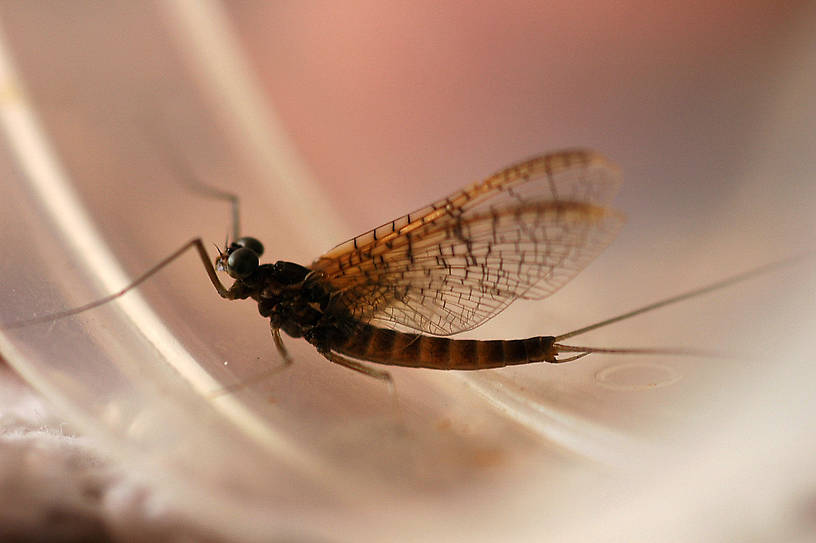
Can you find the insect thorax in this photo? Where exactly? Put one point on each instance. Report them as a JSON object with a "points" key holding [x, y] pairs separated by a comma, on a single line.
{"points": [[287, 297]]}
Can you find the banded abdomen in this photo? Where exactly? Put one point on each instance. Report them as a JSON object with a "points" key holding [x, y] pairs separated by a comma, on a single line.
{"points": [[394, 348]]}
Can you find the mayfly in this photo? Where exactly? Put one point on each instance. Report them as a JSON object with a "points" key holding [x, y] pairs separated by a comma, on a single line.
{"points": [[391, 295]]}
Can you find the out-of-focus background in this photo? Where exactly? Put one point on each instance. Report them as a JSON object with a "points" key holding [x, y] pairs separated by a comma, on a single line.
{"points": [[331, 118]]}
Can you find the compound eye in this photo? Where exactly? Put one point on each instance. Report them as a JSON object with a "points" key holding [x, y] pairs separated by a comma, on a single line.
{"points": [[241, 263], [250, 243]]}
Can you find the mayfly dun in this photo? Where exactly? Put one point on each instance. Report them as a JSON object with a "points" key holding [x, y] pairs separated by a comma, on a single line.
{"points": [[392, 295]]}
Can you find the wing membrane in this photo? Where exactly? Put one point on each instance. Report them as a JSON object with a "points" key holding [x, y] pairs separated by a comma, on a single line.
{"points": [[448, 267]]}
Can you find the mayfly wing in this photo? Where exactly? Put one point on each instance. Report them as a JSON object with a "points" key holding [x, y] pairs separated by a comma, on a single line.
{"points": [[522, 233]]}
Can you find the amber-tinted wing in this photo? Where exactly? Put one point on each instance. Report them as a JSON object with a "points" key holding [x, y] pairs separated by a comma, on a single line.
{"points": [[446, 268]]}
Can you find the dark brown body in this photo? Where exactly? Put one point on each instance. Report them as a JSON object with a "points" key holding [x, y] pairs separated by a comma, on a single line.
{"points": [[394, 348], [301, 306]]}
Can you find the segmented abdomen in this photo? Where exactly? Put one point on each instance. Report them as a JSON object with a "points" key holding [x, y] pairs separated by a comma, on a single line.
{"points": [[394, 348]]}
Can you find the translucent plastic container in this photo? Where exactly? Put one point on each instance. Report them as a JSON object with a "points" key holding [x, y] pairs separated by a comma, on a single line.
{"points": [[176, 383]]}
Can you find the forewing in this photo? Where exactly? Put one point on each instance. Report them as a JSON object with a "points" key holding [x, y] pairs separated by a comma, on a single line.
{"points": [[446, 268]]}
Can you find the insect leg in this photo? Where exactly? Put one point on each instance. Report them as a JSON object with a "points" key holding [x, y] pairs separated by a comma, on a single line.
{"points": [[287, 361], [380, 375], [182, 170], [195, 243], [360, 368], [276, 337]]}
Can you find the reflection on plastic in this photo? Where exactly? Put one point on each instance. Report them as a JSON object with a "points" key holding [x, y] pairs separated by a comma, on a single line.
{"points": [[636, 376]]}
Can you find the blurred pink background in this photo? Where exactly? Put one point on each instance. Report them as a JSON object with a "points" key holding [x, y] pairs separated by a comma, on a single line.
{"points": [[388, 99]]}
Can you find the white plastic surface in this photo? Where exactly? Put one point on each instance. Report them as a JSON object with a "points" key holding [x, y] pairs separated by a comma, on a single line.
{"points": [[610, 448]]}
